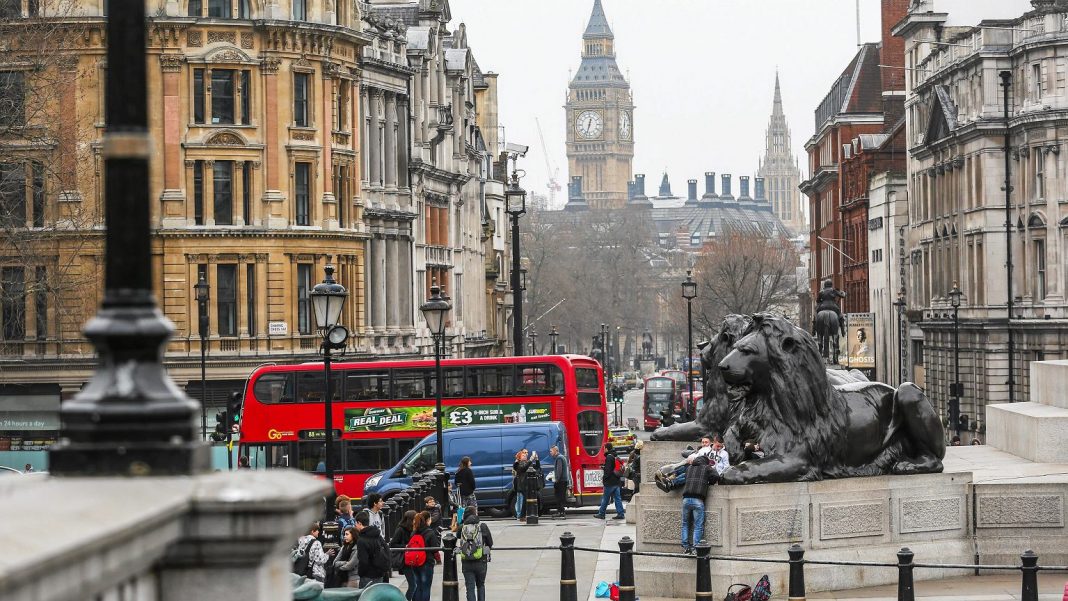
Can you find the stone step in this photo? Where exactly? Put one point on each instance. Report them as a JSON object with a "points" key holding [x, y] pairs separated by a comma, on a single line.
{"points": [[1034, 431]]}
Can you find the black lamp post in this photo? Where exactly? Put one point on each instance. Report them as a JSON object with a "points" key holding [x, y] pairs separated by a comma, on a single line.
{"points": [[515, 201], [955, 390], [328, 298], [203, 290], [900, 304], [435, 310], [533, 341], [689, 292], [145, 426], [553, 335]]}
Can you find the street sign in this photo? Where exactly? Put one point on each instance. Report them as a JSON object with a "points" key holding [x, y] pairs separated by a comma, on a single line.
{"points": [[277, 328]]}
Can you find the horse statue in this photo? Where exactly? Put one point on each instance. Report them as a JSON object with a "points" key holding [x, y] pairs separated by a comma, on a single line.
{"points": [[828, 326]]}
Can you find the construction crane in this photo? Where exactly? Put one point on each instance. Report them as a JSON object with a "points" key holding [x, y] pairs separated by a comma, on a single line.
{"points": [[554, 173]]}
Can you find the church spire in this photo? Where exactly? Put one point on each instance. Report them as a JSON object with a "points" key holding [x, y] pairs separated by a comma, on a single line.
{"points": [[777, 109], [598, 25]]}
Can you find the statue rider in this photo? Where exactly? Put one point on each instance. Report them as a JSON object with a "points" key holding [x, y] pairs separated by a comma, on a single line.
{"points": [[827, 300]]}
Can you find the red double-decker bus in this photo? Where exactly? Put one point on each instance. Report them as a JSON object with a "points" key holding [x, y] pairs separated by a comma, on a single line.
{"points": [[382, 409]]}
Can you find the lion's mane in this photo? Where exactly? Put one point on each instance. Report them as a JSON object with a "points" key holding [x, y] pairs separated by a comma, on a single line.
{"points": [[798, 411], [718, 411]]}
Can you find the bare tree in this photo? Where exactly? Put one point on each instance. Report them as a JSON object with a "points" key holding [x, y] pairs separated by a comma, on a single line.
{"points": [[745, 273], [49, 239]]}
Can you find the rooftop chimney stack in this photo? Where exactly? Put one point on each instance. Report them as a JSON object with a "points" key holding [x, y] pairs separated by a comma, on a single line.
{"points": [[743, 183], [760, 191], [639, 186], [726, 195], [691, 191], [575, 200], [710, 185], [630, 190]]}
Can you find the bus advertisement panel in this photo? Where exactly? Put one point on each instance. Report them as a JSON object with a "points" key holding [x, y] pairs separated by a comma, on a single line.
{"points": [[382, 409]]}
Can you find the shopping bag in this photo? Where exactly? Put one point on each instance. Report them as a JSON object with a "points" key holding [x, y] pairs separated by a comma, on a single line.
{"points": [[602, 591]]}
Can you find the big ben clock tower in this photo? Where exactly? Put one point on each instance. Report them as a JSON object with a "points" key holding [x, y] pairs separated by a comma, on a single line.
{"points": [[600, 119]]}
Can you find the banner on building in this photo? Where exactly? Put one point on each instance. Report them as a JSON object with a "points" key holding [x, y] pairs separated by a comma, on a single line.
{"points": [[860, 340], [402, 419]]}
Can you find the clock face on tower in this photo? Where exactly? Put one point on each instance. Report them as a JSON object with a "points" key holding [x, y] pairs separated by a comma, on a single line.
{"points": [[624, 125], [589, 125]]}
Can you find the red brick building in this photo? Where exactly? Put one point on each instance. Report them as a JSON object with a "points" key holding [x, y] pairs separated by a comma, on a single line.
{"points": [[863, 104]]}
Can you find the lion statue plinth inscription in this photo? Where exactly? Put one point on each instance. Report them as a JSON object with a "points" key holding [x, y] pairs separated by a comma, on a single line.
{"points": [[770, 385]]}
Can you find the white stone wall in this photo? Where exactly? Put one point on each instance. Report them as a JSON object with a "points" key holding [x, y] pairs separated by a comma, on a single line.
{"points": [[887, 208]]}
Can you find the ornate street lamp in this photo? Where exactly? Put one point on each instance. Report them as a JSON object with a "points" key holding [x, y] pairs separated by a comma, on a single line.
{"points": [[900, 305], [435, 311], [203, 291], [328, 298], [553, 335], [689, 292], [533, 341], [956, 389], [515, 204]]}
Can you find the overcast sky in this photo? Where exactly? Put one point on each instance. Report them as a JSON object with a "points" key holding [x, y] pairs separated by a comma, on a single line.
{"points": [[702, 73]]}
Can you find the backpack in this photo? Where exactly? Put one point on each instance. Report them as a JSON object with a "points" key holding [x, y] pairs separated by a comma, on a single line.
{"points": [[617, 468], [302, 559], [380, 560], [762, 590], [415, 559], [471, 546]]}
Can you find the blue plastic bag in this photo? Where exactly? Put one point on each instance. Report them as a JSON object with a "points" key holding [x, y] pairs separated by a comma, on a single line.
{"points": [[603, 589]]}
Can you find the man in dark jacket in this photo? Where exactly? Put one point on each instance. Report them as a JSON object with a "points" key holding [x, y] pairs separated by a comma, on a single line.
{"points": [[699, 476], [611, 480], [474, 569], [561, 480], [372, 557]]}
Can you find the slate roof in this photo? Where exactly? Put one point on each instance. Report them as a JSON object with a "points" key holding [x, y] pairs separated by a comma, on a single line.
{"points": [[598, 26], [599, 72], [857, 90], [708, 220]]}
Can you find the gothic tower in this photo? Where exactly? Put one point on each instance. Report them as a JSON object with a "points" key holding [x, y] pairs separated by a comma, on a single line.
{"points": [[600, 119], [780, 171]]}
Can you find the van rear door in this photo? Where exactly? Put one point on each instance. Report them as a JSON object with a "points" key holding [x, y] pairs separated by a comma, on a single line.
{"points": [[484, 449]]}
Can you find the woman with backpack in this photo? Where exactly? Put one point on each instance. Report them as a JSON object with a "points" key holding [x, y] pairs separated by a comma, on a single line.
{"points": [[422, 562], [475, 542], [345, 562], [400, 539]]}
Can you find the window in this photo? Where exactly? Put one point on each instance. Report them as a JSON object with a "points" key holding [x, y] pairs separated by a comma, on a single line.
{"points": [[304, 286], [202, 309], [12, 99], [246, 97], [198, 192], [539, 379], [591, 431], [38, 195], [1040, 269], [1040, 173], [198, 93], [244, 10], [220, 9], [366, 385], [222, 96], [367, 455], [301, 89], [1036, 81], [453, 384], [10, 9], [12, 195], [246, 194], [300, 10], [311, 386], [341, 111], [411, 384], [223, 187], [13, 305], [495, 380], [40, 300], [226, 303], [301, 196], [589, 399], [274, 388], [196, 8], [250, 298], [587, 378]]}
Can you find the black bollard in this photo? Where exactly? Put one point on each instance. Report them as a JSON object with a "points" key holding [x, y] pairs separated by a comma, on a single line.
{"points": [[704, 571], [532, 494], [450, 587], [905, 589], [1029, 591], [797, 573], [626, 569], [568, 584], [392, 516]]}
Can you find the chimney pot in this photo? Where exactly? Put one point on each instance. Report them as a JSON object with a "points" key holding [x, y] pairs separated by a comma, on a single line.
{"points": [[743, 184], [761, 193], [691, 189], [726, 179], [710, 184]]}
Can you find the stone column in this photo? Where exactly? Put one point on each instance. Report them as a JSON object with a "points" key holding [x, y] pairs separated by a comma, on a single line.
{"points": [[330, 82], [373, 153], [272, 153], [365, 135], [390, 157], [237, 187], [420, 103], [172, 196], [213, 304], [407, 284], [379, 290], [394, 282]]}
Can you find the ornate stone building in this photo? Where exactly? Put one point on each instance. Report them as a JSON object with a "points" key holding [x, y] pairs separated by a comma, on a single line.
{"points": [[957, 231], [780, 170], [288, 134], [600, 119]]}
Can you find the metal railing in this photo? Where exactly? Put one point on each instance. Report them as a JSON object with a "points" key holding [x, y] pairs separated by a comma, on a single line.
{"points": [[906, 590]]}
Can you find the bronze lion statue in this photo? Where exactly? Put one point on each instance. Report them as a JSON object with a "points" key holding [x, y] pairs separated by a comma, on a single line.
{"points": [[716, 412], [780, 396]]}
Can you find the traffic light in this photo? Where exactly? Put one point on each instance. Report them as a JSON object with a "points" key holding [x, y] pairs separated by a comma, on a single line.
{"points": [[233, 414], [221, 427]]}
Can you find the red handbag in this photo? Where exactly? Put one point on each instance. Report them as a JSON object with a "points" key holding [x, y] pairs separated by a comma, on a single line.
{"points": [[613, 592], [744, 593]]}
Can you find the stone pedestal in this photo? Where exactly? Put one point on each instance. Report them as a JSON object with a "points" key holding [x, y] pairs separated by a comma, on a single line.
{"points": [[855, 519], [1038, 430]]}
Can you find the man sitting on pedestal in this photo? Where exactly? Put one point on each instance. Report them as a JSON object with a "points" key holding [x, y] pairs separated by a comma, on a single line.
{"points": [[673, 475]]}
